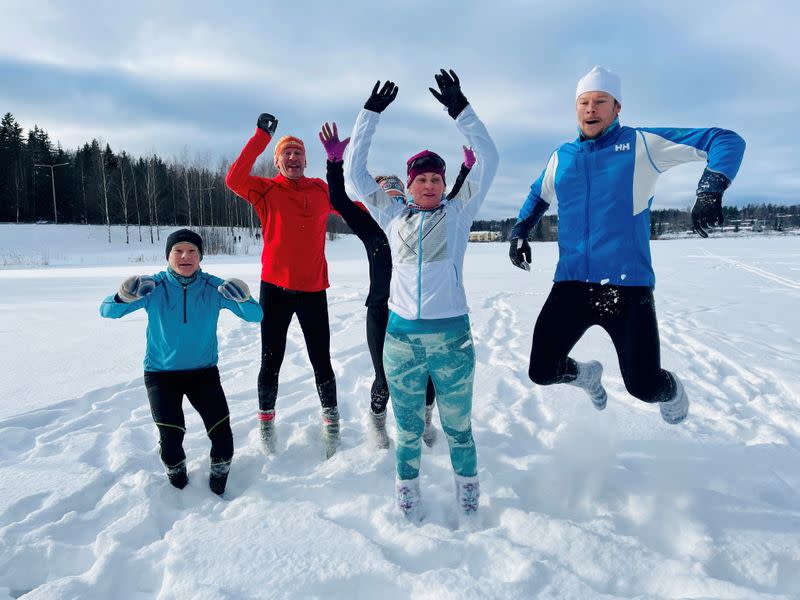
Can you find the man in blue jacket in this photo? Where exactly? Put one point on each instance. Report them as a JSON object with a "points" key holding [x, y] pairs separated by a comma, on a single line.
{"points": [[603, 183], [183, 305]]}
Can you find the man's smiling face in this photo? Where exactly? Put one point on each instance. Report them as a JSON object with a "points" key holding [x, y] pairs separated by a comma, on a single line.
{"points": [[596, 111], [184, 258], [291, 162]]}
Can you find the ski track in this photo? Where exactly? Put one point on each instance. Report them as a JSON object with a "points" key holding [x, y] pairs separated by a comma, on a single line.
{"points": [[728, 392], [614, 488], [779, 279]]}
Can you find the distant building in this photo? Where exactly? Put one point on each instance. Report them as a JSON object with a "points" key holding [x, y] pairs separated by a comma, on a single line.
{"points": [[484, 236]]}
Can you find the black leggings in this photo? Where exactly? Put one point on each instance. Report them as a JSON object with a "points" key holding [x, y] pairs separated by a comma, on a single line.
{"points": [[377, 318], [628, 315], [311, 308], [165, 391]]}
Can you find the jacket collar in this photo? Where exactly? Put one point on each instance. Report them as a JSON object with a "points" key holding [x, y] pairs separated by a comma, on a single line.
{"points": [[180, 279], [283, 180], [602, 140]]}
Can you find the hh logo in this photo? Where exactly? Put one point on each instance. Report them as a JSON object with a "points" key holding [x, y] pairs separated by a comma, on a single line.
{"points": [[622, 147]]}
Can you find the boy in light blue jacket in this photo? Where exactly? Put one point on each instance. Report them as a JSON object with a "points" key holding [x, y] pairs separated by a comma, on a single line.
{"points": [[183, 305]]}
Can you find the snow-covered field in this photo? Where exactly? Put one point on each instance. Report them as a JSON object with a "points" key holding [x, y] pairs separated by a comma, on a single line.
{"points": [[576, 504]]}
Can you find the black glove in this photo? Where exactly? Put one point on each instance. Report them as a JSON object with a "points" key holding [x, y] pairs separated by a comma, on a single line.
{"points": [[450, 93], [379, 100], [519, 251], [707, 209], [267, 123]]}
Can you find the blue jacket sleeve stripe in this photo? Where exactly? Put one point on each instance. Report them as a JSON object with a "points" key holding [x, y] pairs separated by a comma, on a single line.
{"points": [[723, 149], [647, 151]]}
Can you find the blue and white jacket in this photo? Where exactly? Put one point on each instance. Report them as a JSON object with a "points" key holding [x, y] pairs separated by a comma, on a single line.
{"points": [[182, 320], [604, 188], [428, 246]]}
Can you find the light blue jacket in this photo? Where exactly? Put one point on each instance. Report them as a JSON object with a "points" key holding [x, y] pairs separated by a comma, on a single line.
{"points": [[182, 321], [604, 189]]}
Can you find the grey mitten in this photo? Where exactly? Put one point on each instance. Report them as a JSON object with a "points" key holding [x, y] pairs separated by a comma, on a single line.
{"points": [[136, 287], [235, 289]]}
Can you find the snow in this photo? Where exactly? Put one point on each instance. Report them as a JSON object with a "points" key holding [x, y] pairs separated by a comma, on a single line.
{"points": [[576, 503]]}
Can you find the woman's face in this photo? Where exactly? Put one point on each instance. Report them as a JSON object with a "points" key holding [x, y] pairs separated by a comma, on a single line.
{"points": [[427, 190]]}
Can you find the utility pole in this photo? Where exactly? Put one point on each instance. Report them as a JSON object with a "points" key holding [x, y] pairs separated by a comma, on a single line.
{"points": [[53, 181]]}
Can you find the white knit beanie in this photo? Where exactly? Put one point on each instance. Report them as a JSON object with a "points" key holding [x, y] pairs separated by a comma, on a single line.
{"points": [[600, 79]]}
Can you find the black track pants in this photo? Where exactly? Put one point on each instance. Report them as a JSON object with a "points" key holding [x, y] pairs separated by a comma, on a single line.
{"points": [[628, 315], [165, 391], [279, 306]]}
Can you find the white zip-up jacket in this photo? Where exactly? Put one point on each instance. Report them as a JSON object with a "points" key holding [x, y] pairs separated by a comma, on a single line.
{"points": [[428, 246]]}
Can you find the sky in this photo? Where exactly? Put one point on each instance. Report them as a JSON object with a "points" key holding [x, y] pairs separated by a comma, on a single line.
{"points": [[189, 79]]}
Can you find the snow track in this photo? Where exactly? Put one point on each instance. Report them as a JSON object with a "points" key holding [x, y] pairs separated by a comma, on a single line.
{"points": [[576, 503]]}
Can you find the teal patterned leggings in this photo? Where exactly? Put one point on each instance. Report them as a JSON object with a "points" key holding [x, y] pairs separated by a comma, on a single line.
{"points": [[449, 358]]}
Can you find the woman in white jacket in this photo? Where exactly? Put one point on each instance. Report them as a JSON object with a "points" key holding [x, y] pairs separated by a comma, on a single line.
{"points": [[428, 332]]}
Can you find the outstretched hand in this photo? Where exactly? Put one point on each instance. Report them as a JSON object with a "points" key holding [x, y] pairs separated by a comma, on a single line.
{"points": [[136, 287], [267, 123], [234, 289], [707, 209], [469, 157], [330, 141], [450, 93], [706, 212], [519, 252], [379, 100]]}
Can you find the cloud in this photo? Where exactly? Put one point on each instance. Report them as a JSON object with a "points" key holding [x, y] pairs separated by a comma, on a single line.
{"points": [[149, 76]]}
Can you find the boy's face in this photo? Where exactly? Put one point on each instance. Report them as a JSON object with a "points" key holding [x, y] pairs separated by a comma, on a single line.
{"points": [[184, 258]]}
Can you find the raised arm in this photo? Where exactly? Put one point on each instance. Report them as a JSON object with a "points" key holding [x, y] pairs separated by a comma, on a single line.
{"points": [[239, 180], [466, 167], [473, 191], [132, 295], [354, 214], [235, 296], [382, 206], [722, 150]]}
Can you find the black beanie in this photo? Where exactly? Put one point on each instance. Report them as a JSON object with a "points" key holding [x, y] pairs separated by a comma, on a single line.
{"points": [[184, 235]]}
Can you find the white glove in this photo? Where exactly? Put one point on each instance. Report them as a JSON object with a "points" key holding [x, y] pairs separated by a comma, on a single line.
{"points": [[136, 287], [235, 289]]}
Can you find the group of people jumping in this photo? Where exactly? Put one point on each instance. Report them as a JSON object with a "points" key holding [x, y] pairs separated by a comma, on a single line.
{"points": [[415, 236]]}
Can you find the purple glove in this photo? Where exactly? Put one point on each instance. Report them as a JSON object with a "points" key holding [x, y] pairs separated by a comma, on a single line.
{"points": [[469, 157], [330, 141]]}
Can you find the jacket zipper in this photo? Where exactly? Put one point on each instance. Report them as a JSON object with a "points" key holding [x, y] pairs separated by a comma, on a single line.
{"points": [[590, 146], [419, 264], [184, 303]]}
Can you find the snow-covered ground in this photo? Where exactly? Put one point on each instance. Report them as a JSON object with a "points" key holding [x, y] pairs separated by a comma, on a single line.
{"points": [[576, 503]]}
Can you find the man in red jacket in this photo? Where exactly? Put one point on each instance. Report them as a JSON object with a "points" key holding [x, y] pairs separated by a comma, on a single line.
{"points": [[294, 213]]}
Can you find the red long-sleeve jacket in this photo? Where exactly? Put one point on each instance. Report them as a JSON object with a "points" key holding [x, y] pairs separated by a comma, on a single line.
{"points": [[294, 215]]}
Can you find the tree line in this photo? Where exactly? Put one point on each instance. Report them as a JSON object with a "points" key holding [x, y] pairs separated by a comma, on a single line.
{"points": [[95, 185], [40, 181]]}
